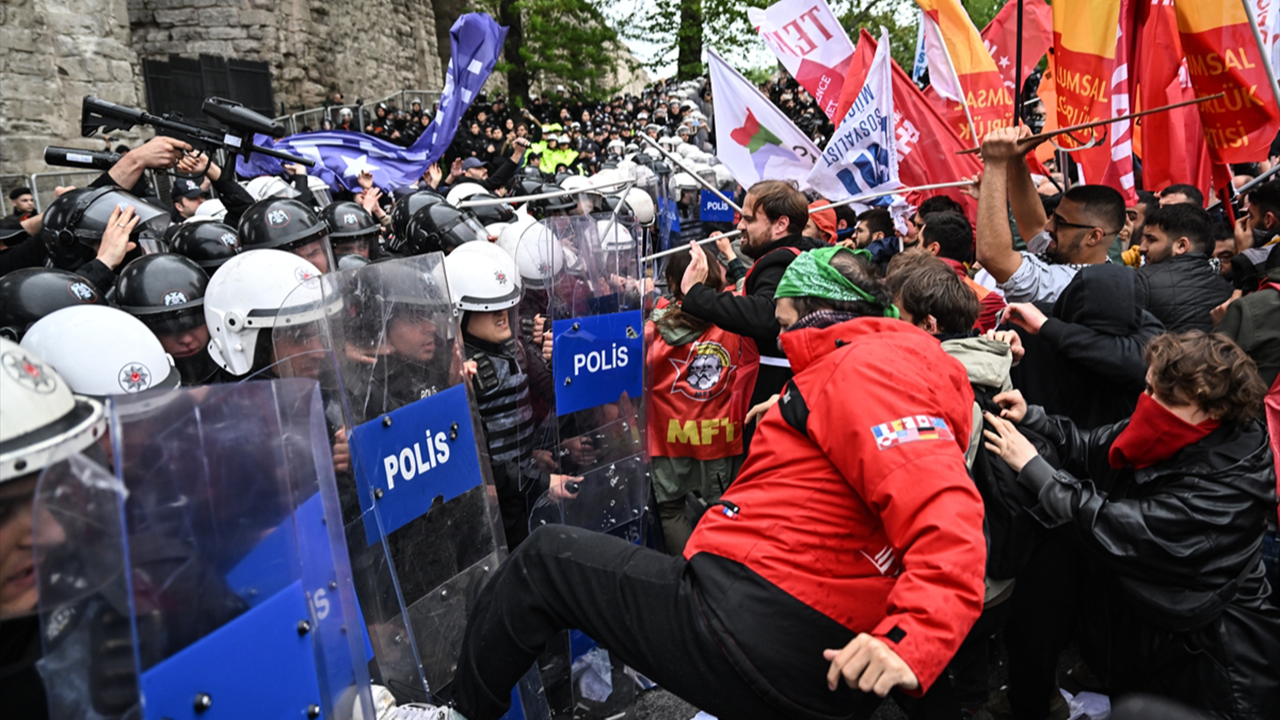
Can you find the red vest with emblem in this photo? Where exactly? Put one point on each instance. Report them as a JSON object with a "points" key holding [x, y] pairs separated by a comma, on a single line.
{"points": [[691, 409]]}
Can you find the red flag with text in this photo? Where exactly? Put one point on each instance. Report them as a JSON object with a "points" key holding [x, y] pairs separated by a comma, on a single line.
{"points": [[1223, 57], [961, 71], [810, 44], [1001, 38]]}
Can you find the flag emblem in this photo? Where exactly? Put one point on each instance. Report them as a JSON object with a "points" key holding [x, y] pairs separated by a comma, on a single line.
{"points": [[911, 429]]}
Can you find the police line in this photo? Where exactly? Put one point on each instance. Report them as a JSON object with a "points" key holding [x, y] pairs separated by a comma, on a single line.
{"points": [[542, 196]]}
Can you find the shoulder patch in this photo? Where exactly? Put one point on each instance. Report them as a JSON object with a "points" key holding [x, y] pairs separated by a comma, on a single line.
{"points": [[911, 429], [794, 409]]}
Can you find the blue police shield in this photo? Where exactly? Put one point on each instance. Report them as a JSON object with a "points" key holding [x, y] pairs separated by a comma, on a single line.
{"points": [[591, 452], [418, 505], [207, 576]]}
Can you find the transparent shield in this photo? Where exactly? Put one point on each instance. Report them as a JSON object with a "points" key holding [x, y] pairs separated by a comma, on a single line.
{"points": [[592, 290], [418, 505], [209, 572]]}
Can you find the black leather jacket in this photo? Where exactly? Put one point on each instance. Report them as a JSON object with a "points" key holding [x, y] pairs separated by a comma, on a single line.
{"points": [[1178, 550]]}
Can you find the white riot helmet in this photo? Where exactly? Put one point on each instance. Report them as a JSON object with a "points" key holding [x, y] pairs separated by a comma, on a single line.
{"points": [[682, 181], [482, 279], [270, 186], [463, 191], [540, 256], [211, 209], [102, 351], [614, 236], [41, 421], [608, 176], [644, 176], [685, 150], [245, 296], [509, 238], [668, 141], [589, 201], [494, 230], [724, 178], [615, 146], [641, 205]]}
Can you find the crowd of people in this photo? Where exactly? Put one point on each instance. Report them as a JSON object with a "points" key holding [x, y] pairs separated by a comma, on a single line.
{"points": [[875, 443]]}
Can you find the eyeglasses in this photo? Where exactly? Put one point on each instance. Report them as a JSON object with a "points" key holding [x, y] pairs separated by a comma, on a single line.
{"points": [[1059, 221]]}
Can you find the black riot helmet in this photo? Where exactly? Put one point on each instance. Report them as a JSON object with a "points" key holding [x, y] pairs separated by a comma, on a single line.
{"points": [[441, 227], [351, 228], [166, 292], [525, 185], [287, 224], [73, 225], [490, 214], [403, 211], [29, 294], [209, 244], [550, 207]]}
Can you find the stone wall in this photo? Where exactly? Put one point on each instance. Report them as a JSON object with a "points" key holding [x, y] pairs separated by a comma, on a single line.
{"points": [[366, 49], [52, 54]]}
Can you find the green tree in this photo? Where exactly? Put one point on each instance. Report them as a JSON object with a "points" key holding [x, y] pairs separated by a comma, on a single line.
{"points": [[562, 41]]}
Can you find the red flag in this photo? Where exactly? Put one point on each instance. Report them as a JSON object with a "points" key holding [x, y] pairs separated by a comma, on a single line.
{"points": [[1223, 56], [926, 142], [1171, 144], [1001, 38], [1091, 40]]}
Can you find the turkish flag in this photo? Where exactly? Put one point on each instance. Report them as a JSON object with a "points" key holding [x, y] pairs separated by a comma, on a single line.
{"points": [[1170, 143], [1001, 38], [926, 142]]}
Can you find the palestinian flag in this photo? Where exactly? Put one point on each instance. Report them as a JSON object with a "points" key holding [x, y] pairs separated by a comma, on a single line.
{"points": [[753, 138]]}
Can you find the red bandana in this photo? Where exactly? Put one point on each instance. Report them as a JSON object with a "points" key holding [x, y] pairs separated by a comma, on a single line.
{"points": [[1154, 434]]}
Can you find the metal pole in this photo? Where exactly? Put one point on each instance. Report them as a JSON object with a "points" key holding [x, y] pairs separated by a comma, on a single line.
{"points": [[701, 181], [542, 196], [1258, 180], [883, 193], [674, 250]]}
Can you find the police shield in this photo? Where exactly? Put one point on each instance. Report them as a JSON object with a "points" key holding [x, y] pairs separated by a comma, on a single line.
{"points": [[418, 505], [591, 292], [207, 575]]}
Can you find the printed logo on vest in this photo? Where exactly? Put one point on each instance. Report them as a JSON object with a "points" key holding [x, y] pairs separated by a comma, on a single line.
{"points": [[705, 373]]}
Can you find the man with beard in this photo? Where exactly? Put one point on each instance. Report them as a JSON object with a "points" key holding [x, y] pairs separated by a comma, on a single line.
{"points": [[1081, 230], [773, 218]]}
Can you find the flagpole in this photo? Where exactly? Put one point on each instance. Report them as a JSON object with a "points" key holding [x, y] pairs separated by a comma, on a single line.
{"points": [[883, 193], [842, 203], [542, 196], [700, 180], [1262, 50], [1017, 72]]}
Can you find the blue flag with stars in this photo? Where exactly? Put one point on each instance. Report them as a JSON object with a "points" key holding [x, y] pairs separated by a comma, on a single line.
{"points": [[340, 156]]}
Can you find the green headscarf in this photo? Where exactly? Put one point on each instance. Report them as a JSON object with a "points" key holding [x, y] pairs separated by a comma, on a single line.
{"points": [[811, 275]]}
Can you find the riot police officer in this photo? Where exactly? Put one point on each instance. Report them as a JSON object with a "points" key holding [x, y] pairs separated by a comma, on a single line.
{"points": [[29, 294], [286, 224], [166, 292]]}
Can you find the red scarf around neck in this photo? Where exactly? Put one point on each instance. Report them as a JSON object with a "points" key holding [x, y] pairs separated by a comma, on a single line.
{"points": [[1154, 434]]}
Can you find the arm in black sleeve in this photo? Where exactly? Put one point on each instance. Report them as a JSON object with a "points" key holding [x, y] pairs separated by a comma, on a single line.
{"points": [[747, 315], [1082, 453], [27, 254], [299, 183], [502, 175], [234, 197], [96, 272], [1118, 357]]}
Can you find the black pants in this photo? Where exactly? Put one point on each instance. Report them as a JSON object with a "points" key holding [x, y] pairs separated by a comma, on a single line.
{"points": [[1042, 619], [639, 604]]}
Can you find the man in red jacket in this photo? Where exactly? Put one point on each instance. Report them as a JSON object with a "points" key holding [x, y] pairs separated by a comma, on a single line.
{"points": [[850, 546]]}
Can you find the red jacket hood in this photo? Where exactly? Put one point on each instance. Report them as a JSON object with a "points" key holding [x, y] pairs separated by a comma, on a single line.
{"points": [[808, 345]]}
